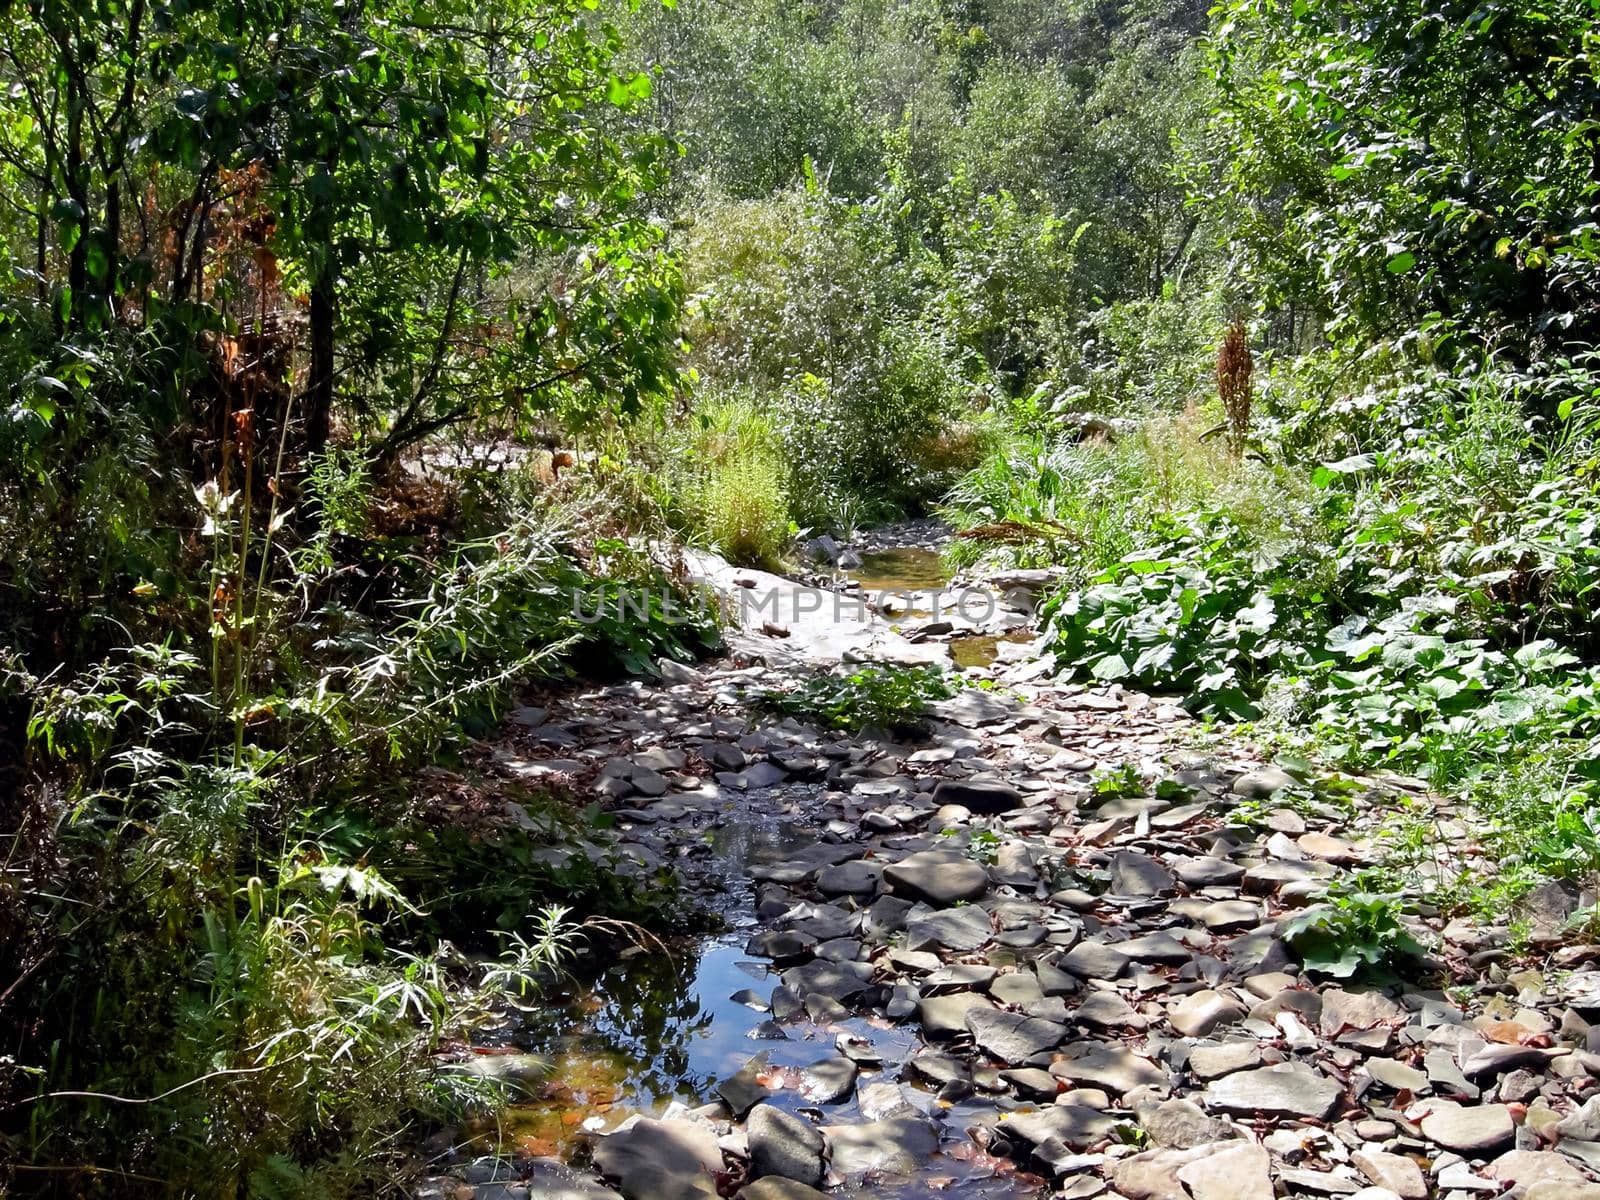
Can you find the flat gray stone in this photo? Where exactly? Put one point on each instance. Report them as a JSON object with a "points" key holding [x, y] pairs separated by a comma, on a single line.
{"points": [[1181, 1124], [1401, 1175], [661, 1160], [1110, 1067], [1213, 1062], [1396, 1076], [849, 879], [1094, 960], [959, 929], [1136, 874], [895, 1145], [1240, 1171], [1473, 1132], [1198, 1013], [1287, 1090], [1160, 948], [1012, 1037], [1076, 1125], [946, 1016], [940, 877]]}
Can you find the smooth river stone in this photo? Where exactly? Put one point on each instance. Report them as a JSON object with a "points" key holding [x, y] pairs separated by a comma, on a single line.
{"points": [[940, 877]]}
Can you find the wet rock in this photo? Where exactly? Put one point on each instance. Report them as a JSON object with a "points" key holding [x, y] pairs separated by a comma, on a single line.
{"points": [[986, 797], [784, 1145], [896, 1145], [837, 981], [661, 1160], [743, 1090], [940, 877], [782, 945], [879, 1101], [1473, 1132], [1285, 1090], [829, 1081]]}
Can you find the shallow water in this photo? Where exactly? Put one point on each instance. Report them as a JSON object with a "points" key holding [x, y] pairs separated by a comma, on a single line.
{"points": [[661, 1023], [981, 651], [904, 568]]}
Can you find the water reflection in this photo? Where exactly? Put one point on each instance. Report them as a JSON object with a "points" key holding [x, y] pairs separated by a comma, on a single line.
{"points": [[903, 568]]}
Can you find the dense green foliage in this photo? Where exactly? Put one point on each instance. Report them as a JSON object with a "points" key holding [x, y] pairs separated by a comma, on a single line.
{"points": [[261, 261]]}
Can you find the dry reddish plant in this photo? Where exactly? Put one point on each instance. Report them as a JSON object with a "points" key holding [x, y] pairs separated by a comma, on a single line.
{"points": [[1234, 370]]}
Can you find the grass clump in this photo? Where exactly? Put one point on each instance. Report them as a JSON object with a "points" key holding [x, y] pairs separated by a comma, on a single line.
{"points": [[876, 696]]}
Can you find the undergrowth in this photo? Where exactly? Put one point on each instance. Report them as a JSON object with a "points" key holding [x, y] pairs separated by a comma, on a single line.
{"points": [[1393, 579], [892, 699]]}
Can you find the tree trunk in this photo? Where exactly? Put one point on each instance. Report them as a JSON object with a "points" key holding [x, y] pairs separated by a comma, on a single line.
{"points": [[319, 414]]}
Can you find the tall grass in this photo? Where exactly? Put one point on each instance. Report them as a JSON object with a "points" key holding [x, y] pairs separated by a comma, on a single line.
{"points": [[1042, 500]]}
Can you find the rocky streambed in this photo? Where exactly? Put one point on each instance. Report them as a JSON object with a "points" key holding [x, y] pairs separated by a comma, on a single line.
{"points": [[1038, 952]]}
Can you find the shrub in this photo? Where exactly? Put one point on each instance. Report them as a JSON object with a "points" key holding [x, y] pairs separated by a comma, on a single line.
{"points": [[1355, 932], [887, 697], [1196, 617]]}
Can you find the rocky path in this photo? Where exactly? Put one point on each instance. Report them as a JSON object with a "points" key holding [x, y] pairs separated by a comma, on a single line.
{"points": [[1037, 952]]}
